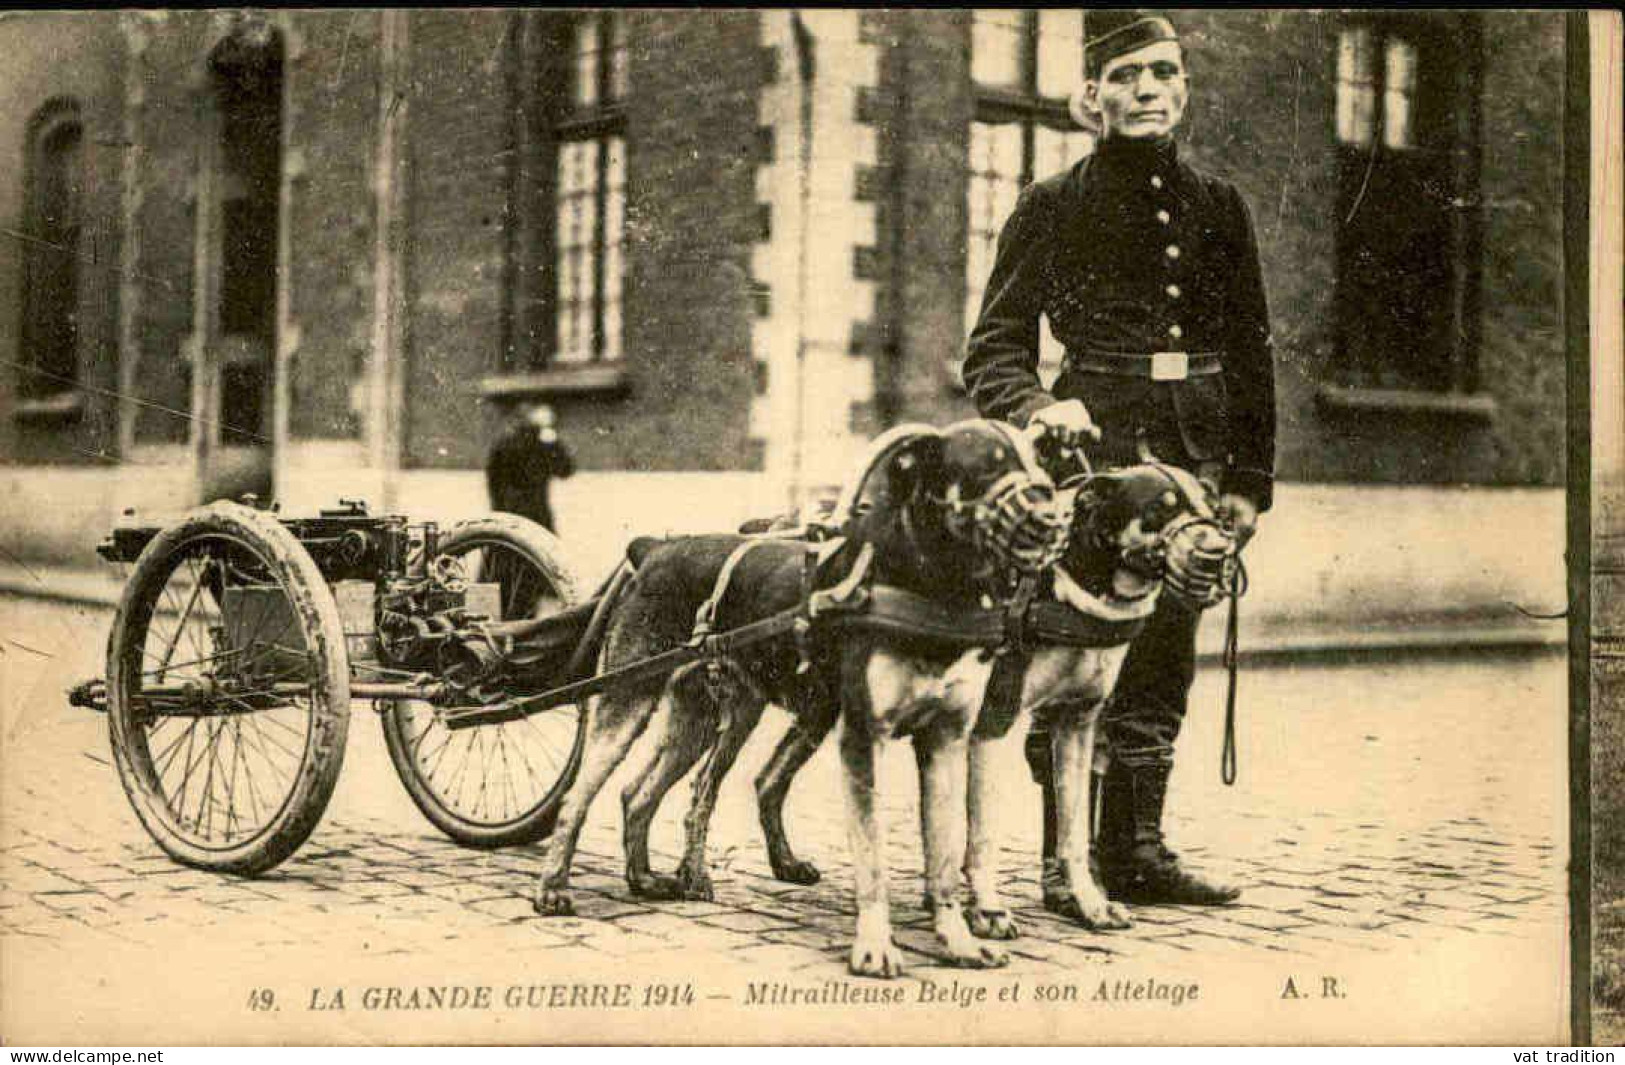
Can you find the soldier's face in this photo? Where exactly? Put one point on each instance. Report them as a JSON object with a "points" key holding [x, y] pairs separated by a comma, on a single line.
{"points": [[1142, 94]]}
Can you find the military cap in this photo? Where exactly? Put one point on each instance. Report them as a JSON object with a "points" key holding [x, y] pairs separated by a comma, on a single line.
{"points": [[1112, 33]]}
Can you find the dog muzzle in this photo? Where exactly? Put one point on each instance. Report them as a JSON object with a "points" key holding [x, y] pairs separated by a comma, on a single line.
{"points": [[1199, 561], [1021, 523]]}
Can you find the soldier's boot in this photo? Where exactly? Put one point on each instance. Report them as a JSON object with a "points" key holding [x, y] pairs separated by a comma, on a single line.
{"points": [[1136, 865]]}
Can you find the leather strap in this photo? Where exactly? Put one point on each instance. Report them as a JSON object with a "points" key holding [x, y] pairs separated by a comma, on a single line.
{"points": [[1053, 622], [705, 618], [1001, 703], [894, 610], [1141, 364]]}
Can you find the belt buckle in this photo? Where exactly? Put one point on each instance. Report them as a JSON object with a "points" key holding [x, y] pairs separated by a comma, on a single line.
{"points": [[1170, 365]]}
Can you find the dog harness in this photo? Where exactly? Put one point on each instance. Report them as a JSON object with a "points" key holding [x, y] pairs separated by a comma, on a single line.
{"points": [[1192, 555]]}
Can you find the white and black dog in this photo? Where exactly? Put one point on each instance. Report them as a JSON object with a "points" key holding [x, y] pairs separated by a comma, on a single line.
{"points": [[949, 516], [1139, 533]]}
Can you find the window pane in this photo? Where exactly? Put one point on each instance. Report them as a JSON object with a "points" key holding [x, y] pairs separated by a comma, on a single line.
{"points": [[995, 50], [577, 221], [1060, 51], [995, 181], [995, 175], [617, 55], [591, 263], [1400, 66], [614, 243], [1356, 111], [1356, 86], [584, 56], [612, 330], [1354, 55], [1056, 150], [1399, 77], [1396, 120]]}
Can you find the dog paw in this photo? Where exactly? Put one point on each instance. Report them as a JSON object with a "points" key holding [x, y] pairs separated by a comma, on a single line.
{"points": [[1062, 904], [551, 903], [1097, 915], [796, 871], [694, 885], [993, 924], [656, 887], [980, 956], [1118, 916], [882, 960]]}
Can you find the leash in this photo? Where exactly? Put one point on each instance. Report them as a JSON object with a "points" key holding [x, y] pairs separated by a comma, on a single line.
{"points": [[1232, 665]]}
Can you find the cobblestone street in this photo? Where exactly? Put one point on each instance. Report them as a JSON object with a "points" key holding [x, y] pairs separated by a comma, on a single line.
{"points": [[1388, 807]]}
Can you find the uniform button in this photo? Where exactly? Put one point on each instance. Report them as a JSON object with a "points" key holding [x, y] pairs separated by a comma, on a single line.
{"points": [[1173, 291], [1173, 251], [1156, 181], [1175, 332], [1164, 217]]}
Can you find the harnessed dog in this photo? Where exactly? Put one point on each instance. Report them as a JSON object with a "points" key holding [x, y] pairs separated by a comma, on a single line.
{"points": [[1138, 532], [937, 522]]}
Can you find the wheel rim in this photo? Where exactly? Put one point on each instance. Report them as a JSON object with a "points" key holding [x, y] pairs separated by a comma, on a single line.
{"points": [[221, 691], [493, 776]]}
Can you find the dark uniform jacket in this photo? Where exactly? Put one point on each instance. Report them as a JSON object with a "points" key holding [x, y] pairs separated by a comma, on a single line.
{"points": [[518, 472], [1134, 251]]}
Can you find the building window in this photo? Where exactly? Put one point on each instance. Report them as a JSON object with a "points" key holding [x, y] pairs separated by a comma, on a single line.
{"points": [[1024, 65], [590, 184], [1363, 82], [53, 206], [1406, 135]]}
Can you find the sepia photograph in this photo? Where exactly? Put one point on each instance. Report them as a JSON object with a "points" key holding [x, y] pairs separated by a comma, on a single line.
{"points": [[811, 526]]}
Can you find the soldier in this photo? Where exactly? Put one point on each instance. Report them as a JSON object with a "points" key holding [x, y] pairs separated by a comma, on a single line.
{"points": [[1148, 272]]}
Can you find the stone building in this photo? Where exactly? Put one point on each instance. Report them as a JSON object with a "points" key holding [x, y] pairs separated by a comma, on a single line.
{"points": [[306, 251]]}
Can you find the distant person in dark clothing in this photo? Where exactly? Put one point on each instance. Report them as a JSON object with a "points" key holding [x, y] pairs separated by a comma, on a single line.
{"points": [[524, 462]]}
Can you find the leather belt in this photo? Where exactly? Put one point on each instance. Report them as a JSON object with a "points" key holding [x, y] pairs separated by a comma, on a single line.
{"points": [[1156, 365]]}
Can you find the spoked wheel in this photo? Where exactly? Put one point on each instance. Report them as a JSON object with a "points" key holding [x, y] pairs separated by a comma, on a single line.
{"points": [[494, 785], [228, 690]]}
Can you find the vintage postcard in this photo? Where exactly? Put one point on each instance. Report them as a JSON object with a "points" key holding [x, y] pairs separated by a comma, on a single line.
{"points": [[1140, 456]]}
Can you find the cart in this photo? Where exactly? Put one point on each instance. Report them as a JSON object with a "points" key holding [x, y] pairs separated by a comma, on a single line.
{"points": [[242, 638]]}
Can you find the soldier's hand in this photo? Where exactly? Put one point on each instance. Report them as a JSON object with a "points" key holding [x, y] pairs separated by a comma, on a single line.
{"points": [[1240, 514], [1069, 419]]}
